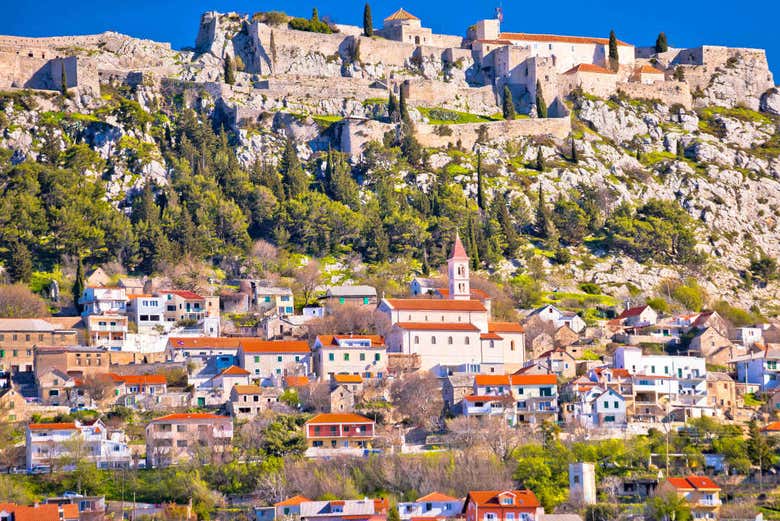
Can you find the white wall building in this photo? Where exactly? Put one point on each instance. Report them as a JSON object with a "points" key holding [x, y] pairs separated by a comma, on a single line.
{"points": [[47, 444]]}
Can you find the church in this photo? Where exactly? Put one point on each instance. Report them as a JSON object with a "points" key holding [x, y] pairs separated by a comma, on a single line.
{"points": [[452, 331]]}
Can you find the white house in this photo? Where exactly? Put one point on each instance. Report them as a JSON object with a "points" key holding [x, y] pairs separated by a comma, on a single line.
{"points": [[519, 398], [145, 311], [639, 316], [422, 286], [48, 443], [433, 505], [103, 300], [559, 318], [601, 407]]}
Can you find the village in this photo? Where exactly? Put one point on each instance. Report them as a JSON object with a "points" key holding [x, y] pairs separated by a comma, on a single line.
{"points": [[165, 353]]}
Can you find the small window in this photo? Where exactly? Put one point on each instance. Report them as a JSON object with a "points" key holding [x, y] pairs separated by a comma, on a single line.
{"points": [[433, 340], [449, 340], [331, 357], [346, 357], [362, 357]]}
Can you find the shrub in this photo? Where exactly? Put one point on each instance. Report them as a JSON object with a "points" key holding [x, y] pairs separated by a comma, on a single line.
{"points": [[590, 288], [311, 26]]}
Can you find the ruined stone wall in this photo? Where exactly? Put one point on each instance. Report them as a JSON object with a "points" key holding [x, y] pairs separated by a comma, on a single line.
{"points": [[667, 92], [601, 85], [432, 135], [432, 93]]}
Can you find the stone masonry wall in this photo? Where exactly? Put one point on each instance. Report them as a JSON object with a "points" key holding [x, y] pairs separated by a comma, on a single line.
{"points": [[668, 92], [430, 135]]}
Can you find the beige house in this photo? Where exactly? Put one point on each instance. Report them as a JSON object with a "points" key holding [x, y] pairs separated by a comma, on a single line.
{"points": [[403, 26], [364, 355], [13, 406], [72, 360], [20, 336], [182, 437], [270, 360], [700, 492], [714, 347], [247, 401], [56, 387], [721, 391]]}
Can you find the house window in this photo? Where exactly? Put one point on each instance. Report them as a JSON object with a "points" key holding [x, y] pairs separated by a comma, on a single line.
{"points": [[341, 300], [417, 340], [362, 357], [468, 340], [609, 419], [512, 345], [346, 357], [278, 358], [433, 340], [545, 391], [616, 405], [257, 359], [331, 357], [366, 300], [449, 340], [377, 357]]}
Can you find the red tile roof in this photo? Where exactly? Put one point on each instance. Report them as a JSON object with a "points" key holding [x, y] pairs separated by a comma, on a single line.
{"points": [[330, 340], [187, 295], [347, 378], [296, 381], [401, 15], [772, 427], [649, 69], [339, 418], [292, 501], [490, 498], [255, 345], [458, 251], [70, 511], [140, 379], [515, 379], [554, 38], [632, 312], [190, 416], [234, 371], [437, 326], [45, 512], [589, 68], [428, 304], [247, 389], [505, 327], [52, 426], [693, 483], [435, 497], [490, 336]]}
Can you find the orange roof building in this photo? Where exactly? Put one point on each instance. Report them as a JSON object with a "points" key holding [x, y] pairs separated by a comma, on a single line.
{"points": [[338, 432], [175, 438], [269, 361], [503, 504]]}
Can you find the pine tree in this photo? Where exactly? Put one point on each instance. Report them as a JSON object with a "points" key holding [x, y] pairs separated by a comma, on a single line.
{"points": [[63, 79], [545, 227], [614, 59], [507, 226], [661, 44], [78, 285], [539, 160], [392, 108], [574, 158], [230, 74], [508, 106], [294, 179], [368, 23], [541, 105], [339, 184], [680, 150], [480, 186]]}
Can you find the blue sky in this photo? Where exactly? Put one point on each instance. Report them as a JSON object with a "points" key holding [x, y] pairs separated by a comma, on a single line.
{"points": [[746, 23]]}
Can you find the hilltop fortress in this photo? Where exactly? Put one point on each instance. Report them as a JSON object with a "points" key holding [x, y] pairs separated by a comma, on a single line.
{"points": [[348, 75]]}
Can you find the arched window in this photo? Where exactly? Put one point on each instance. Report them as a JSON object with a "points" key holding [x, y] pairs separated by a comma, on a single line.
{"points": [[433, 340], [449, 340]]}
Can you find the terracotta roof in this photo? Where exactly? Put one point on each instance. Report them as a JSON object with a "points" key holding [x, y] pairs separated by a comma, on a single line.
{"points": [[476, 294], [427, 304], [292, 501], [772, 427], [188, 295], [347, 378], [204, 342], [401, 15], [437, 326], [330, 340], [140, 379], [296, 381], [515, 379], [339, 418], [247, 389], [234, 371], [632, 312], [190, 416], [589, 68], [505, 327], [45, 512], [52, 426], [693, 483], [649, 69], [458, 251], [478, 398], [435, 497], [554, 38], [70, 511], [490, 336], [524, 498], [255, 345]]}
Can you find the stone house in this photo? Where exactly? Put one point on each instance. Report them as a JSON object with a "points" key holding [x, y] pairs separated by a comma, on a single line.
{"points": [[342, 398], [56, 387], [247, 401], [20, 336], [454, 388], [13, 406], [564, 337], [591, 79], [350, 295], [176, 438], [713, 346], [558, 362], [721, 392]]}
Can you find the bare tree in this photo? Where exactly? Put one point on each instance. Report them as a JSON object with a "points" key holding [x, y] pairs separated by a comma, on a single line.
{"points": [[492, 433], [263, 257], [17, 301], [418, 398], [308, 278], [349, 319], [316, 397], [98, 387]]}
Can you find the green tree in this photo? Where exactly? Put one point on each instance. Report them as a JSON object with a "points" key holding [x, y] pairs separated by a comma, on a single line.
{"points": [[679, 73], [393, 515], [294, 179], [368, 23], [666, 507], [403, 109], [272, 46], [541, 105], [680, 150], [78, 285], [539, 163], [759, 448], [230, 73], [661, 44], [339, 184], [763, 269], [508, 104], [545, 227], [393, 110], [480, 185], [571, 221], [614, 57], [501, 211], [19, 264]]}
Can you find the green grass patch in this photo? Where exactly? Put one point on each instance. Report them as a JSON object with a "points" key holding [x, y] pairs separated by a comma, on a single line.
{"points": [[653, 158], [752, 401], [440, 116], [375, 101], [570, 299]]}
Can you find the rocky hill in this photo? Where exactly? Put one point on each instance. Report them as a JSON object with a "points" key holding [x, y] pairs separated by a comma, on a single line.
{"points": [[181, 156]]}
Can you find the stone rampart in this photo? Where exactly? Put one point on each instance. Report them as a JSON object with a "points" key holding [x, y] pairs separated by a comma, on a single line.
{"points": [[667, 92], [438, 136], [432, 93]]}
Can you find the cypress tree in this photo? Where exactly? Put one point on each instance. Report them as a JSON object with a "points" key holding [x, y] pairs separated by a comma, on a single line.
{"points": [[315, 15], [294, 178], [480, 187], [638, 154], [78, 285], [661, 45], [680, 150], [392, 108], [368, 24], [63, 79], [230, 74], [614, 60], [272, 45], [508, 106], [541, 105], [574, 157], [402, 108], [507, 226], [539, 160], [545, 226]]}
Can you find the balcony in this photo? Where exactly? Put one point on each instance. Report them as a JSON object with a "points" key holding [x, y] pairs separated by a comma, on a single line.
{"points": [[708, 503]]}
